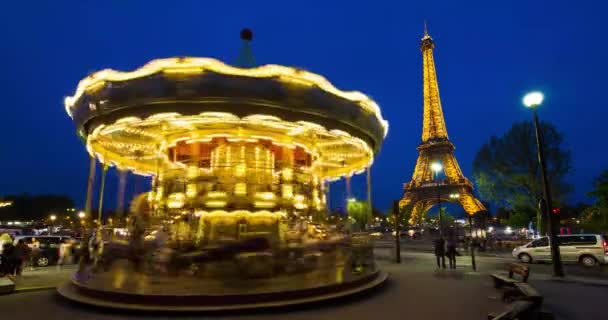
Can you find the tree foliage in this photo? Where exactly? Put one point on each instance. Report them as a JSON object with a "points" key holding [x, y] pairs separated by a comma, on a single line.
{"points": [[359, 211], [507, 172], [595, 217], [25, 206]]}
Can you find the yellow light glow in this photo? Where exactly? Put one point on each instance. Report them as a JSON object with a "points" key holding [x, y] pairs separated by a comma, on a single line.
{"points": [[192, 66], [287, 191], [5, 204], [264, 204], [436, 167], [192, 172], [128, 120], [265, 195], [191, 190], [215, 204], [533, 99], [300, 206], [240, 189], [336, 156], [240, 170], [159, 193], [216, 194], [299, 198], [287, 174]]}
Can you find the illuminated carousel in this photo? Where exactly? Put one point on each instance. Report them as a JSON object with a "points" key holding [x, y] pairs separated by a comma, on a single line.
{"points": [[240, 161]]}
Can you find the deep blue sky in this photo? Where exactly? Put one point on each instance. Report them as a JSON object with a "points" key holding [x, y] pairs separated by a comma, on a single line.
{"points": [[488, 54]]}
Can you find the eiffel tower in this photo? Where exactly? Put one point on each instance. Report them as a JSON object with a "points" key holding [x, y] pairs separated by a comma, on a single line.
{"points": [[424, 191]]}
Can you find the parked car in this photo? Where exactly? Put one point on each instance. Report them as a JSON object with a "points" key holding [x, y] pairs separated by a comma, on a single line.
{"points": [[49, 247], [587, 249]]}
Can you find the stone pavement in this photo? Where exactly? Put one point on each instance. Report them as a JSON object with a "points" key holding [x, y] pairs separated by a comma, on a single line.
{"points": [[416, 293], [43, 278]]}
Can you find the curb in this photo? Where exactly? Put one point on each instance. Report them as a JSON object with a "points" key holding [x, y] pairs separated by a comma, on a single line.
{"points": [[583, 281], [33, 289]]}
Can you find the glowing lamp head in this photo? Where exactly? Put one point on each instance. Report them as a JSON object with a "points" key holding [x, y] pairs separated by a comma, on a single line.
{"points": [[81, 214], [53, 217], [533, 99], [436, 167]]}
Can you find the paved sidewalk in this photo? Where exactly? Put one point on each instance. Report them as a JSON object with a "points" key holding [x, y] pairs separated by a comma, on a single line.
{"points": [[43, 278], [414, 293]]}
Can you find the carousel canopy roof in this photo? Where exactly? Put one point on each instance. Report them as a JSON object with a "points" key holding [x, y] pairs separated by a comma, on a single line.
{"points": [[195, 79]]}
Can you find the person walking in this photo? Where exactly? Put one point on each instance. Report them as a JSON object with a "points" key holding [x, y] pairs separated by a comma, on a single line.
{"points": [[440, 252], [5, 259], [22, 252], [64, 254], [451, 250]]}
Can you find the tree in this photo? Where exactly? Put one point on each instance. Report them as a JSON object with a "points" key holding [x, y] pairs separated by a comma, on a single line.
{"points": [[26, 207], [595, 217], [507, 173], [359, 211], [520, 216]]}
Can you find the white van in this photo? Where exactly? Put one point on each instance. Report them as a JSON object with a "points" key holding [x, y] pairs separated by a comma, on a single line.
{"points": [[587, 249]]}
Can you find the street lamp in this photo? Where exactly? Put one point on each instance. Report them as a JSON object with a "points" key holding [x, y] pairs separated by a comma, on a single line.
{"points": [[455, 196], [436, 167], [533, 100], [81, 214]]}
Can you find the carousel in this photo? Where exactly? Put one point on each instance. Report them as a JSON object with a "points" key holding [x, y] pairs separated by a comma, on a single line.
{"points": [[240, 161]]}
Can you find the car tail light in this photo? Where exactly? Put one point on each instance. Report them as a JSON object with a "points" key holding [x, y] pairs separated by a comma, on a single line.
{"points": [[606, 247]]}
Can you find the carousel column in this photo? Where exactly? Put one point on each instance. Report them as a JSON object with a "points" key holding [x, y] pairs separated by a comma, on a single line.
{"points": [[156, 182], [349, 193], [120, 201], [90, 184], [101, 193], [327, 198], [369, 191], [287, 174]]}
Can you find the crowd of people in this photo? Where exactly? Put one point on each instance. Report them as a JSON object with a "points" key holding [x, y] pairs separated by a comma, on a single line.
{"points": [[14, 257]]}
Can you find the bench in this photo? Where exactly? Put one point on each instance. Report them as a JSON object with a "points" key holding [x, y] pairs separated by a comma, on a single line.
{"points": [[529, 293], [512, 268]]}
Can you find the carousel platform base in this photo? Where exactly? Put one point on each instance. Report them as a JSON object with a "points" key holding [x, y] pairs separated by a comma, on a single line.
{"points": [[218, 303]]}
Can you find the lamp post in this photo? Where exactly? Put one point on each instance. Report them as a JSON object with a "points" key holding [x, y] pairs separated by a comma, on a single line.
{"points": [[533, 100], [436, 167], [396, 215], [455, 196]]}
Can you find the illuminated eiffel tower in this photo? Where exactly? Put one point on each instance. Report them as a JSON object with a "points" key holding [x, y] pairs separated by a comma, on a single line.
{"points": [[424, 190]]}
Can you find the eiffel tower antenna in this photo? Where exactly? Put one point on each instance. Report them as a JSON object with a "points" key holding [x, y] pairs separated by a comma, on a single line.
{"points": [[436, 152]]}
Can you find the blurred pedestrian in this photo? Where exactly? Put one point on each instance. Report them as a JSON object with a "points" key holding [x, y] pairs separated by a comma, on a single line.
{"points": [[22, 253], [451, 249], [440, 252], [34, 252], [65, 253], [5, 259], [5, 238]]}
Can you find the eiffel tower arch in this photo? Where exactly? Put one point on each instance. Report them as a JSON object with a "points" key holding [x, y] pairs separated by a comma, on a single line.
{"points": [[425, 190]]}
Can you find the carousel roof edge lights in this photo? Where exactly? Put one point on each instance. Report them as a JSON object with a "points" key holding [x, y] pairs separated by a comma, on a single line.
{"points": [[193, 66]]}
